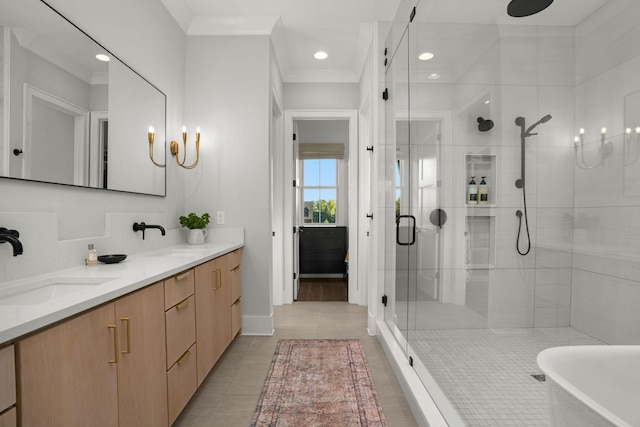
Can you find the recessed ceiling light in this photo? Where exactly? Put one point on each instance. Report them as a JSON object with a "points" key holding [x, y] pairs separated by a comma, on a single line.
{"points": [[488, 101], [320, 55], [434, 76], [425, 56], [102, 57]]}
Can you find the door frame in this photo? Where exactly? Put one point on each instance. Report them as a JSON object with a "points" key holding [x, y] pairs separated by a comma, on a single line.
{"points": [[357, 295]]}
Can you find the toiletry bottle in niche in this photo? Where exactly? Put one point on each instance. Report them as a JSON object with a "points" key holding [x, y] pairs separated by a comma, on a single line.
{"points": [[92, 256], [483, 192], [472, 192]]}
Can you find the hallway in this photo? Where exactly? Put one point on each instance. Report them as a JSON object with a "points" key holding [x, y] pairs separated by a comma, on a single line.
{"points": [[229, 395]]}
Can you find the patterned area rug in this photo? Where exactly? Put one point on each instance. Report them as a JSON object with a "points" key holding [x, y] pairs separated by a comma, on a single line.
{"points": [[315, 383]]}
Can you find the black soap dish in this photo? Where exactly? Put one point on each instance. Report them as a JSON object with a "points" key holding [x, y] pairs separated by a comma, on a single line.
{"points": [[111, 259]]}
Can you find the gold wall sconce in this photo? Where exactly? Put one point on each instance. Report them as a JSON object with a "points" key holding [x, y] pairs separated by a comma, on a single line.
{"points": [[175, 148], [151, 136]]}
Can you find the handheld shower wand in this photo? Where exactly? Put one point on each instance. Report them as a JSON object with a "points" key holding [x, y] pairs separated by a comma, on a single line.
{"points": [[520, 183]]}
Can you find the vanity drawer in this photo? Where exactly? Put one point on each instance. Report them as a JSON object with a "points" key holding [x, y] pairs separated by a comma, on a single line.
{"points": [[178, 287], [235, 280], [181, 329], [8, 419], [234, 258], [236, 317], [7, 378], [182, 382]]}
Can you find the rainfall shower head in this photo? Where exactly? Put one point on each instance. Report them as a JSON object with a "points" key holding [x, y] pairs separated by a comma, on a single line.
{"points": [[484, 124], [523, 8]]}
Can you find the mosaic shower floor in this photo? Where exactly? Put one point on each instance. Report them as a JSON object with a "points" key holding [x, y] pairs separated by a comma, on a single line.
{"points": [[486, 373]]}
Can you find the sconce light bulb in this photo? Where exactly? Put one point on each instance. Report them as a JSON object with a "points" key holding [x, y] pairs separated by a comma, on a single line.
{"points": [[638, 129], [628, 131], [581, 131], [198, 130], [576, 139], [151, 129], [184, 129], [603, 131]]}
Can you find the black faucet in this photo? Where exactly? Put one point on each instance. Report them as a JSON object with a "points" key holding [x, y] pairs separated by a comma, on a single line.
{"points": [[142, 226], [11, 236]]}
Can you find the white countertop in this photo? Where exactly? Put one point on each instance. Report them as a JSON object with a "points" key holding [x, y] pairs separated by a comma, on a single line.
{"points": [[110, 282]]}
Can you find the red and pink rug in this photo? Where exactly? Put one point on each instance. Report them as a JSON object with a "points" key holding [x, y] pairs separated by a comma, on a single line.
{"points": [[319, 382]]}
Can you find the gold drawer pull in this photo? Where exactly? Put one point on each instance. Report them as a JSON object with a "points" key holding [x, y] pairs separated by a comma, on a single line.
{"points": [[218, 279], [182, 304], [184, 357], [115, 343], [182, 276], [128, 320]]}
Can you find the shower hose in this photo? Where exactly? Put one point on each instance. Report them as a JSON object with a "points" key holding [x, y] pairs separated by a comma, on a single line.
{"points": [[526, 224]]}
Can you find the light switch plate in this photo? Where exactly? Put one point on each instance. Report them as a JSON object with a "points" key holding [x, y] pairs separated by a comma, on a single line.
{"points": [[220, 217]]}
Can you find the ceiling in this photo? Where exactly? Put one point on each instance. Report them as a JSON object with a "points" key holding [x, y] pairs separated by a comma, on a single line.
{"points": [[343, 28]]}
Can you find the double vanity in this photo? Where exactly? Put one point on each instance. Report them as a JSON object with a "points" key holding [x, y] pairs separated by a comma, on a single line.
{"points": [[124, 344]]}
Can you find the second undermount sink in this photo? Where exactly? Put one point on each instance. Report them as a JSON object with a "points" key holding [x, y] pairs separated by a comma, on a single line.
{"points": [[175, 252], [48, 289]]}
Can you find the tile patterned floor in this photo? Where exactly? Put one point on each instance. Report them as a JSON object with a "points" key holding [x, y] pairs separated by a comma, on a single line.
{"points": [[229, 395], [486, 373]]}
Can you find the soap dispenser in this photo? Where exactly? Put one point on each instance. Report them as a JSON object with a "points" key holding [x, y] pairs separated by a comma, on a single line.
{"points": [[92, 256], [472, 192], [483, 192]]}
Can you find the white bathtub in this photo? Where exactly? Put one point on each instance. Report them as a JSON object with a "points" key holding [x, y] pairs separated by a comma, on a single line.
{"points": [[593, 385]]}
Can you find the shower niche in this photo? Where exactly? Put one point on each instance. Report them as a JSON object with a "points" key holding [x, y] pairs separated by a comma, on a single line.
{"points": [[478, 166], [480, 219], [481, 241]]}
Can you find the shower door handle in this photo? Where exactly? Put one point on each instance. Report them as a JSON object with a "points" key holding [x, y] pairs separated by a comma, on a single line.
{"points": [[413, 230]]}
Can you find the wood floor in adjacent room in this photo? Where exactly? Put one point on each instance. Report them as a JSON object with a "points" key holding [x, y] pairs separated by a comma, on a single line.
{"points": [[318, 290]]}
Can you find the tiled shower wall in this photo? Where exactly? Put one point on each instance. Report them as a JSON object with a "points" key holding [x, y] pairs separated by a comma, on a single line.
{"points": [[605, 296]]}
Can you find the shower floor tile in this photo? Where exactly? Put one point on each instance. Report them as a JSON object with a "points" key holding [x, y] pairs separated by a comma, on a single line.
{"points": [[486, 373]]}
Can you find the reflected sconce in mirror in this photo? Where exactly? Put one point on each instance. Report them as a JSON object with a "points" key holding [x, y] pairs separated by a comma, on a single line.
{"points": [[151, 136], [175, 149], [631, 151]]}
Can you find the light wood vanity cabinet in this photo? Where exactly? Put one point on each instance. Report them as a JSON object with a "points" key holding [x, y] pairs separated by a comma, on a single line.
{"points": [[7, 387], [100, 368], [218, 308], [235, 279], [212, 325], [181, 339], [136, 361]]}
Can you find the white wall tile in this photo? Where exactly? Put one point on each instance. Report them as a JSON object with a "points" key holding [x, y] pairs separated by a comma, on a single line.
{"points": [[605, 307]]}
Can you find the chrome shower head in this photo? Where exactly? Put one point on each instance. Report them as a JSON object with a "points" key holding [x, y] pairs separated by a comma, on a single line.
{"points": [[523, 8]]}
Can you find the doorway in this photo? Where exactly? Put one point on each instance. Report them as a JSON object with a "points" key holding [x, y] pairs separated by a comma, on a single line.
{"points": [[310, 153]]}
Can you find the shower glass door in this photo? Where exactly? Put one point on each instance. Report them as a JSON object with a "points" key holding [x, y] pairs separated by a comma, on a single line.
{"points": [[398, 222], [414, 218]]}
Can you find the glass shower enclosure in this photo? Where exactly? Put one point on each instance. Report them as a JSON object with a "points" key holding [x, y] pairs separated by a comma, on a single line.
{"points": [[468, 304]]}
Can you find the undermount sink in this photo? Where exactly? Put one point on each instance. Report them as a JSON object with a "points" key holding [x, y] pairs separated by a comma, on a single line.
{"points": [[175, 252], [47, 290]]}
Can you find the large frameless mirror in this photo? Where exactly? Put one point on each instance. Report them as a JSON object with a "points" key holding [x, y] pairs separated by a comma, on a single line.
{"points": [[70, 111]]}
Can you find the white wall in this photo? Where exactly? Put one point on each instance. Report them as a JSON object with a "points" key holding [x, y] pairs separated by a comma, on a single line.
{"points": [[56, 222], [228, 94], [321, 96]]}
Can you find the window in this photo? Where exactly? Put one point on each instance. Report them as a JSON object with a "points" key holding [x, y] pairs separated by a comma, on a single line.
{"points": [[319, 190]]}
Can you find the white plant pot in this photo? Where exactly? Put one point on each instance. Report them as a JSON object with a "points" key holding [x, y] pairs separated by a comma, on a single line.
{"points": [[196, 236]]}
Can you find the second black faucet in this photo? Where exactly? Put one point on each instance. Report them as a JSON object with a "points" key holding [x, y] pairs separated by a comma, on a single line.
{"points": [[142, 227]]}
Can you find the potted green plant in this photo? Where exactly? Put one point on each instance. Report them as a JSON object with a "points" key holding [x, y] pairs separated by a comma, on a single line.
{"points": [[197, 226]]}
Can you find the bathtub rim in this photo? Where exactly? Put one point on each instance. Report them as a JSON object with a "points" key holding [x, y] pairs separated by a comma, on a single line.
{"points": [[545, 362]]}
